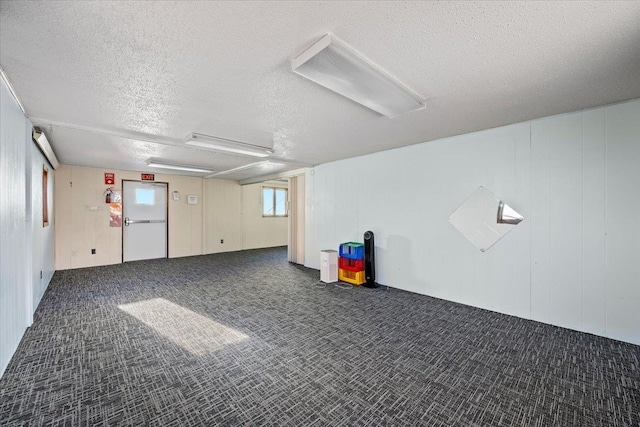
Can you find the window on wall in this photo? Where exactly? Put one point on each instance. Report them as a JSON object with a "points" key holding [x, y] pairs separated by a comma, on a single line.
{"points": [[45, 196], [145, 197], [274, 201]]}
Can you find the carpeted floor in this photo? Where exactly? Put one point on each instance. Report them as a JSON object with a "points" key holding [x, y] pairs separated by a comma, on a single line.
{"points": [[246, 338]]}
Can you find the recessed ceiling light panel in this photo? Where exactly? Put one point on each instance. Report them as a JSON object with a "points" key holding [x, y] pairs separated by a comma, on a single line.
{"points": [[334, 65]]}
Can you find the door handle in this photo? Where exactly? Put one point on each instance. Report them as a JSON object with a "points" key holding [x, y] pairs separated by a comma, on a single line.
{"points": [[128, 221]]}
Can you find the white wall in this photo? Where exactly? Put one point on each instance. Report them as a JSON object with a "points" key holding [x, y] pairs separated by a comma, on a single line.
{"points": [[198, 229], [42, 238], [572, 262], [622, 226], [26, 248], [80, 228], [13, 231], [223, 219], [233, 213], [259, 231]]}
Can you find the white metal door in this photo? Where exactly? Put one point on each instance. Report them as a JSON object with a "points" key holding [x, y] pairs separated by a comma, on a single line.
{"points": [[144, 230]]}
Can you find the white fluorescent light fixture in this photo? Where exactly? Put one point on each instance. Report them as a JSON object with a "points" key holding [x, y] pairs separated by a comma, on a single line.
{"points": [[228, 145], [239, 168], [41, 139], [334, 65], [161, 165]]}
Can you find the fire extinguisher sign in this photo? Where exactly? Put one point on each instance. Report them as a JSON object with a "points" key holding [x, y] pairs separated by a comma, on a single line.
{"points": [[109, 178]]}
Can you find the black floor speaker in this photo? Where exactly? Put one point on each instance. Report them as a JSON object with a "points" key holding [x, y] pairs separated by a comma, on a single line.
{"points": [[369, 260]]}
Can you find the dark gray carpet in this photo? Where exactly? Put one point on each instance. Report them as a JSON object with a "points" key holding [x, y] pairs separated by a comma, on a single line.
{"points": [[246, 338]]}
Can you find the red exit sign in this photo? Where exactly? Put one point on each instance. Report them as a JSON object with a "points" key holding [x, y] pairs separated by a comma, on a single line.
{"points": [[147, 177]]}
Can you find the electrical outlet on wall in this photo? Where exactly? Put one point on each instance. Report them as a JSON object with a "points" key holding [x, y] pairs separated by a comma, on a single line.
{"points": [[93, 251], [221, 241]]}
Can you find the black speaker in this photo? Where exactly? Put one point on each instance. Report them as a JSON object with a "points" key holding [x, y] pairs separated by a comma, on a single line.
{"points": [[369, 260]]}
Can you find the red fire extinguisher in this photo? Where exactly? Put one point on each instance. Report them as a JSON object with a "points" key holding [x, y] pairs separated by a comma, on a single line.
{"points": [[108, 194]]}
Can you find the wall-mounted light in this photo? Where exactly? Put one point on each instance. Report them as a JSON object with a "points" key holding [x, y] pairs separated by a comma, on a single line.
{"points": [[41, 139], [227, 145], [334, 65], [162, 165]]}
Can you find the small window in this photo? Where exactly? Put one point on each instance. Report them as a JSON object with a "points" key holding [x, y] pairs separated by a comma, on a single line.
{"points": [[274, 201], [145, 197], [45, 196]]}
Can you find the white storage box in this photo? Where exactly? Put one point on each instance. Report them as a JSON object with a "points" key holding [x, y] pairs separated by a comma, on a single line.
{"points": [[328, 266]]}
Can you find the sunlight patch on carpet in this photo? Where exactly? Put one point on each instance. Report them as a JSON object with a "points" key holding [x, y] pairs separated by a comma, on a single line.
{"points": [[193, 332]]}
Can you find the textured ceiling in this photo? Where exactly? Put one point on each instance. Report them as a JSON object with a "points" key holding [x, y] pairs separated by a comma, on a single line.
{"points": [[97, 74]]}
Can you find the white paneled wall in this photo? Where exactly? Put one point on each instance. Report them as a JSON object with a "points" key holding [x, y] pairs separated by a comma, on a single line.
{"points": [[26, 246], [14, 264], [572, 262], [42, 237], [556, 218], [622, 221], [594, 221]]}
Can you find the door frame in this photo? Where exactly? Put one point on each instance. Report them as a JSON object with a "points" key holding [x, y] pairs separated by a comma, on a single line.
{"points": [[296, 240], [166, 207]]}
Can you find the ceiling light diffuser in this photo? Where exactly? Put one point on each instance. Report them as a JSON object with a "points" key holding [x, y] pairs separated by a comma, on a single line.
{"points": [[239, 168], [334, 65], [228, 145], [156, 164]]}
